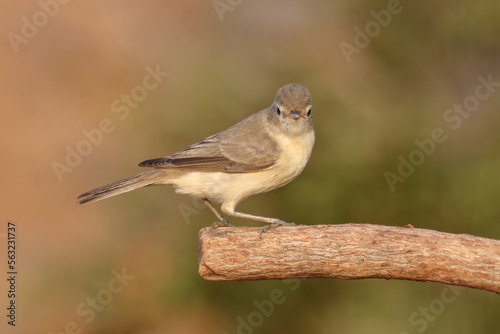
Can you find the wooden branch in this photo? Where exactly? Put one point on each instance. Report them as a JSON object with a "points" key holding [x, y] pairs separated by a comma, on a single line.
{"points": [[349, 251]]}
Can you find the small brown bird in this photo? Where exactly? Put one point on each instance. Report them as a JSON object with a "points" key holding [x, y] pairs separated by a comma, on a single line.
{"points": [[262, 152]]}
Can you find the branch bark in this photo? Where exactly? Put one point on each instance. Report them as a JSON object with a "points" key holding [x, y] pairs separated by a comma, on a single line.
{"points": [[349, 251]]}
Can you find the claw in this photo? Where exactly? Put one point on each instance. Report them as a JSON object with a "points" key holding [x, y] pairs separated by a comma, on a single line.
{"points": [[223, 223], [273, 225]]}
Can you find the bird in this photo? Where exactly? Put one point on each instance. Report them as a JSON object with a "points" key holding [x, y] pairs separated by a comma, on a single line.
{"points": [[264, 151]]}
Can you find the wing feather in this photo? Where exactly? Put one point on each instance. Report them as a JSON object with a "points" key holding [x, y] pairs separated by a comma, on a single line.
{"points": [[245, 147]]}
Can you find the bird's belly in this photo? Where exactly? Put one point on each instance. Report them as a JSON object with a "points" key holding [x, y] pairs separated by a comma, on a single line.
{"points": [[223, 187], [215, 186], [235, 187]]}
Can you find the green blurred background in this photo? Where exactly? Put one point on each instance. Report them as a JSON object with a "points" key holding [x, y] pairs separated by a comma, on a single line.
{"points": [[226, 59]]}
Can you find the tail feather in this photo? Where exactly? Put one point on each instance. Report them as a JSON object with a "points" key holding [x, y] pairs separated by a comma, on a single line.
{"points": [[120, 187]]}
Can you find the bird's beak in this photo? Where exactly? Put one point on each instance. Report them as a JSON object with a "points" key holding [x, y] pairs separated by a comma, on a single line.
{"points": [[295, 114]]}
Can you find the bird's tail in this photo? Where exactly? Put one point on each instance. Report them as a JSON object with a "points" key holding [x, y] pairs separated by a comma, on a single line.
{"points": [[122, 186]]}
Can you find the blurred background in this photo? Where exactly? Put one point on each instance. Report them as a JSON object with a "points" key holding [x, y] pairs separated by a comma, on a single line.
{"points": [[92, 88]]}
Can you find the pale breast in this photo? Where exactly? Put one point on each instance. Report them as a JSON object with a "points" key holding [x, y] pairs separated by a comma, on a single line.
{"points": [[235, 187]]}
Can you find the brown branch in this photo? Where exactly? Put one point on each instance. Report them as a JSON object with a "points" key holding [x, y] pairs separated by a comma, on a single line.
{"points": [[349, 251]]}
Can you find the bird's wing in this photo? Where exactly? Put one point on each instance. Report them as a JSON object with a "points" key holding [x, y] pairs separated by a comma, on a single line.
{"points": [[249, 149], [227, 152]]}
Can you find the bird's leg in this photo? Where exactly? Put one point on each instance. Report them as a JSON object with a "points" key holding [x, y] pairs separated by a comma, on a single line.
{"points": [[273, 222], [222, 221]]}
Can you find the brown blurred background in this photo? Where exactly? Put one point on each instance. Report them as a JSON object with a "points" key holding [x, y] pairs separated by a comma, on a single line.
{"points": [[66, 69]]}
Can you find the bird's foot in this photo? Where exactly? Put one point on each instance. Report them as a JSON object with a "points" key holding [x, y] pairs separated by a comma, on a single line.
{"points": [[273, 225], [222, 223]]}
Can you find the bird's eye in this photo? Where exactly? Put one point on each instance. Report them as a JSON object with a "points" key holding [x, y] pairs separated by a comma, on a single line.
{"points": [[309, 112], [278, 111]]}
